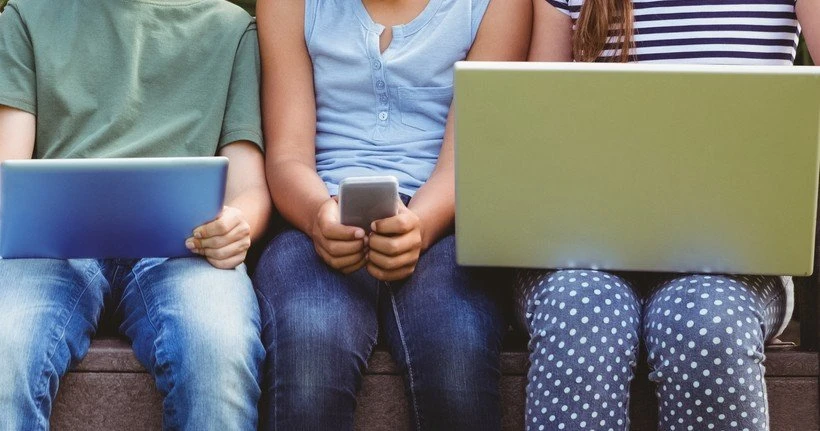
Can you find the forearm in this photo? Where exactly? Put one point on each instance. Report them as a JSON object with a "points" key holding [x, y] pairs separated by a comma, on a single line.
{"points": [[297, 192], [434, 204], [255, 204]]}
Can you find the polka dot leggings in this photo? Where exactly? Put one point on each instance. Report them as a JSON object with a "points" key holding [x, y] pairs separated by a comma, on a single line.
{"points": [[704, 335]]}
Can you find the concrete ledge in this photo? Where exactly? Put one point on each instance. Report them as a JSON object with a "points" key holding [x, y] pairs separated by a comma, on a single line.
{"points": [[110, 390]]}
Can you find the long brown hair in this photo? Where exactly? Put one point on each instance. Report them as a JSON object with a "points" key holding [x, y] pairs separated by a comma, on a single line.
{"points": [[592, 31]]}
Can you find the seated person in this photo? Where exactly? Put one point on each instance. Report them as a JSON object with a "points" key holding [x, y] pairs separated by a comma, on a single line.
{"points": [[358, 87], [704, 333], [137, 79]]}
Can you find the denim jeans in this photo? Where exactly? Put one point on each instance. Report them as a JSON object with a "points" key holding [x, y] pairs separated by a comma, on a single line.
{"points": [[704, 335], [194, 327], [319, 327]]}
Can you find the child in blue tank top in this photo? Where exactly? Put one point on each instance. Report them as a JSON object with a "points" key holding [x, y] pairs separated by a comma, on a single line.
{"points": [[364, 87]]}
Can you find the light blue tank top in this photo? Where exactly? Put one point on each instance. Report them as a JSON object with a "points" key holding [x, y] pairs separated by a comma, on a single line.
{"points": [[384, 113]]}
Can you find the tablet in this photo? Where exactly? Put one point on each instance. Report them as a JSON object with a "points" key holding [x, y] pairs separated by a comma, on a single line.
{"points": [[107, 208]]}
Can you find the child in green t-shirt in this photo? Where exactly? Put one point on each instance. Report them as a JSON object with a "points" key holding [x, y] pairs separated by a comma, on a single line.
{"points": [[137, 78]]}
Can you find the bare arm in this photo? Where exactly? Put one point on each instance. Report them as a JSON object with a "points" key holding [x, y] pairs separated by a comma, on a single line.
{"points": [[289, 109], [225, 241], [17, 133], [808, 14], [397, 242], [246, 188], [289, 122], [504, 35], [551, 34]]}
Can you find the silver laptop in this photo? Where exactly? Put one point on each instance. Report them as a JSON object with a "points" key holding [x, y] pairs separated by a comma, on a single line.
{"points": [[637, 167], [107, 208]]}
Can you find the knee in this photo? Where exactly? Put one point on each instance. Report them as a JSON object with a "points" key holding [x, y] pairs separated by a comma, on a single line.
{"points": [[461, 363], [457, 356], [592, 303], [700, 325], [19, 358], [319, 345], [703, 309], [457, 380], [208, 353], [29, 374], [316, 358]]}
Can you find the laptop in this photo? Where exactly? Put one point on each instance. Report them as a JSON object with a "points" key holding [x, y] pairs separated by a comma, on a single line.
{"points": [[107, 208], [637, 167]]}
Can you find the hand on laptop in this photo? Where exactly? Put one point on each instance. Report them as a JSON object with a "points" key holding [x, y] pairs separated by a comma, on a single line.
{"points": [[342, 247], [395, 246], [225, 241]]}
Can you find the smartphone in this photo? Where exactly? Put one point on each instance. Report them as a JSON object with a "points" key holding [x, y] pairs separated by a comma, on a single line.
{"points": [[365, 199]]}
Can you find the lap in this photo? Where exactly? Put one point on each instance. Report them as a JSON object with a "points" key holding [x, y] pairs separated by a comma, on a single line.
{"points": [[48, 306], [187, 301], [36, 292], [192, 288], [450, 304], [709, 298]]}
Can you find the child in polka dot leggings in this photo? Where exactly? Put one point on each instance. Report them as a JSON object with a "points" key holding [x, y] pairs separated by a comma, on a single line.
{"points": [[704, 335]]}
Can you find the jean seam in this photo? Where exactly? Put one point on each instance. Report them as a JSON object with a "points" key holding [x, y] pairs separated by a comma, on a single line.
{"points": [[156, 338], [272, 355], [40, 397], [413, 397]]}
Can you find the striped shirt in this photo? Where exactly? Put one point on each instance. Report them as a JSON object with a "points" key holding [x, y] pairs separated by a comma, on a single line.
{"points": [[763, 32]]}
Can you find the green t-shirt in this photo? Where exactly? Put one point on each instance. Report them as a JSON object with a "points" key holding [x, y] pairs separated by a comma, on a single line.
{"points": [[132, 78]]}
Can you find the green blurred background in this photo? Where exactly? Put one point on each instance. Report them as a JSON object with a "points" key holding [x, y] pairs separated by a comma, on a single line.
{"points": [[803, 57], [248, 5]]}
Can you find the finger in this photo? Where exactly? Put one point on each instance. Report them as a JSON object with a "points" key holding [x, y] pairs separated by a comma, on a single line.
{"points": [[394, 245], [221, 226], [241, 230], [341, 232], [391, 263], [229, 263], [390, 275], [353, 268], [326, 257], [345, 261], [396, 225], [338, 262], [230, 250], [342, 248], [190, 244]]}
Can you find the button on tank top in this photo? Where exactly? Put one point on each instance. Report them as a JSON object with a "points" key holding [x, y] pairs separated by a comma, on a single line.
{"points": [[384, 113]]}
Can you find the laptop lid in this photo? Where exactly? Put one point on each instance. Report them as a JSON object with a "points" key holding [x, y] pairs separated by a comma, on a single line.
{"points": [[107, 208], [636, 167]]}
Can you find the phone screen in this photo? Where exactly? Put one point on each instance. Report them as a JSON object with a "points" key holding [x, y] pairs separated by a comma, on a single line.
{"points": [[363, 200]]}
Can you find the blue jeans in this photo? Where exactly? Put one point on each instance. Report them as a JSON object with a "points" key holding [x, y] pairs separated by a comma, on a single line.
{"points": [[194, 327], [319, 327], [704, 335]]}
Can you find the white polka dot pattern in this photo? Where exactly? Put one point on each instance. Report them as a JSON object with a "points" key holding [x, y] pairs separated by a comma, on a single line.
{"points": [[583, 329], [704, 336]]}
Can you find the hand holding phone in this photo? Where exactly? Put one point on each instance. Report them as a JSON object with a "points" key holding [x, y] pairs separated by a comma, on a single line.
{"points": [[363, 200], [341, 247], [395, 246]]}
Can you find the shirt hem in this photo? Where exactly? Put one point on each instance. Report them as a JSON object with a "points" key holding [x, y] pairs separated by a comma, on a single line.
{"points": [[242, 135], [20, 104]]}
